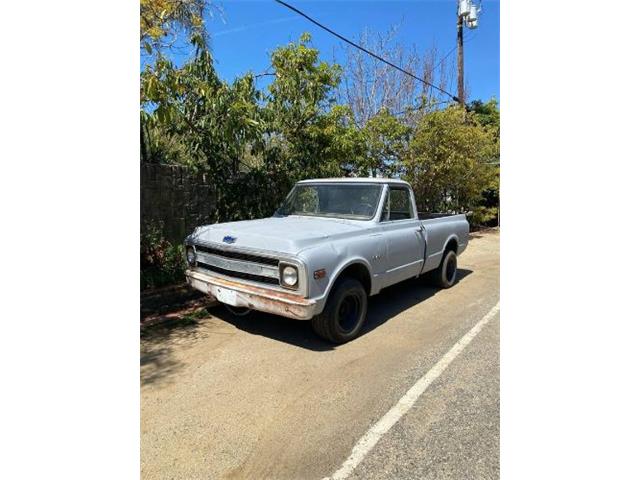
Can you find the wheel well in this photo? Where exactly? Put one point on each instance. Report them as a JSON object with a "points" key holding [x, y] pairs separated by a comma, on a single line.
{"points": [[452, 245], [360, 272]]}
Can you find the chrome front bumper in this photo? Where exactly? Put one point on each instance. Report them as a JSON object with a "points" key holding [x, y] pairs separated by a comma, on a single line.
{"points": [[243, 295]]}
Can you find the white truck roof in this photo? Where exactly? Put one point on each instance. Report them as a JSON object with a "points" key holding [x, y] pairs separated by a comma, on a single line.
{"points": [[355, 180]]}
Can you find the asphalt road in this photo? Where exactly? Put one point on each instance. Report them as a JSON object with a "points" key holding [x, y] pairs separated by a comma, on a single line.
{"points": [[263, 397]]}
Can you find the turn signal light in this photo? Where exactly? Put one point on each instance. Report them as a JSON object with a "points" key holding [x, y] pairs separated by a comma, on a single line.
{"points": [[318, 274]]}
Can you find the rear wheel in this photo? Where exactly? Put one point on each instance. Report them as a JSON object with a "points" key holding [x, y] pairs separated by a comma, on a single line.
{"points": [[344, 313], [445, 275]]}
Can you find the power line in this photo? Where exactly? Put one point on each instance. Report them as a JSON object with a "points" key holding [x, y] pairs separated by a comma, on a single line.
{"points": [[467, 40], [344, 39], [418, 107]]}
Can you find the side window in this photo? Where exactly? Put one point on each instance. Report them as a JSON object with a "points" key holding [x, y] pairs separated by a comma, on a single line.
{"points": [[397, 205]]}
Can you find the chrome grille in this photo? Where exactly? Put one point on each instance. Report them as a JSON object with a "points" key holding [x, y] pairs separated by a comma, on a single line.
{"points": [[237, 255], [242, 275], [238, 264]]}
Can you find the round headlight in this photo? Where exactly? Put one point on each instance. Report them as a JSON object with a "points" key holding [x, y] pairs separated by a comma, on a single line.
{"points": [[191, 256], [289, 276]]}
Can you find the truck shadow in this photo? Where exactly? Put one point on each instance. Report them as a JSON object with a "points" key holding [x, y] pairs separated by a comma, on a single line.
{"points": [[159, 364], [387, 304]]}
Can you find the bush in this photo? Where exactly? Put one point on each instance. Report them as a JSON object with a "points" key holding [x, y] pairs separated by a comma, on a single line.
{"points": [[161, 262], [483, 217]]}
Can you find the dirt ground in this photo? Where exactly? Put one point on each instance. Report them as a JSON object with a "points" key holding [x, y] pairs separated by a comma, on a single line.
{"points": [[263, 397]]}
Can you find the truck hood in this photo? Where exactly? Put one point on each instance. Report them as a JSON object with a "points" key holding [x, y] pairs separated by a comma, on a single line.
{"points": [[278, 234]]}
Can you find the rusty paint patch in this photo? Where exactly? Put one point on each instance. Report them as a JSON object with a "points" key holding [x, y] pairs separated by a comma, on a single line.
{"points": [[265, 300]]}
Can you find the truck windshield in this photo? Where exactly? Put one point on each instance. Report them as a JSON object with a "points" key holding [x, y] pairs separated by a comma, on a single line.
{"points": [[345, 200]]}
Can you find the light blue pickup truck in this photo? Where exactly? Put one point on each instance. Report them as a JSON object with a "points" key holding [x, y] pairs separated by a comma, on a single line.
{"points": [[331, 245]]}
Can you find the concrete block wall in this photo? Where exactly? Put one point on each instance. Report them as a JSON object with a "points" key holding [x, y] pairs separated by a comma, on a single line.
{"points": [[175, 197]]}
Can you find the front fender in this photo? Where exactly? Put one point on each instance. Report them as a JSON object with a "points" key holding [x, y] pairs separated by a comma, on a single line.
{"points": [[334, 258], [337, 271], [346, 264]]}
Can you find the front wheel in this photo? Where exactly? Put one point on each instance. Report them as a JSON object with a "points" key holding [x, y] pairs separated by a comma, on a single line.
{"points": [[445, 275], [344, 313]]}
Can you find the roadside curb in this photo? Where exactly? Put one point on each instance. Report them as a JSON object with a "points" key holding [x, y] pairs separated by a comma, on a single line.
{"points": [[167, 303]]}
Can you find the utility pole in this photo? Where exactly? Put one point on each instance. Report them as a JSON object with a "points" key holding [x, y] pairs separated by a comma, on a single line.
{"points": [[467, 15], [460, 60]]}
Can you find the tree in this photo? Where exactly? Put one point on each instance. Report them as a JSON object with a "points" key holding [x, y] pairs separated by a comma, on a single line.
{"points": [[245, 138], [162, 22], [448, 161], [488, 115], [385, 141], [215, 119], [308, 134], [369, 85]]}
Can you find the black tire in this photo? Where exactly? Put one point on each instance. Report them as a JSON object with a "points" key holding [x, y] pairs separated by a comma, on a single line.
{"points": [[445, 275], [345, 312]]}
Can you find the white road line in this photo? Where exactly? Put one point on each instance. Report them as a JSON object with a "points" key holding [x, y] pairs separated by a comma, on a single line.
{"points": [[371, 437]]}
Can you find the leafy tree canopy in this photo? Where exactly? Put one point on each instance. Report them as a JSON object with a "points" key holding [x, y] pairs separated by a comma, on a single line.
{"points": [[386, 141], [163, 21], [487, 114], [449, 160], [292, 130], [253, 144]]}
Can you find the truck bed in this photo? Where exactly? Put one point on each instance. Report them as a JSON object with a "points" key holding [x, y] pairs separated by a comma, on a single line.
{"points": [[430, 215], [439, 229]]}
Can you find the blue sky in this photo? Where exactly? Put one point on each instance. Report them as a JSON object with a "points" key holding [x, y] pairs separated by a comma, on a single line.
{"points": [[250, 30]]}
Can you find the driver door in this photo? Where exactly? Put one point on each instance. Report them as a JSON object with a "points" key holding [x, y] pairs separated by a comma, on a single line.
{"points": [[403, 235]]}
